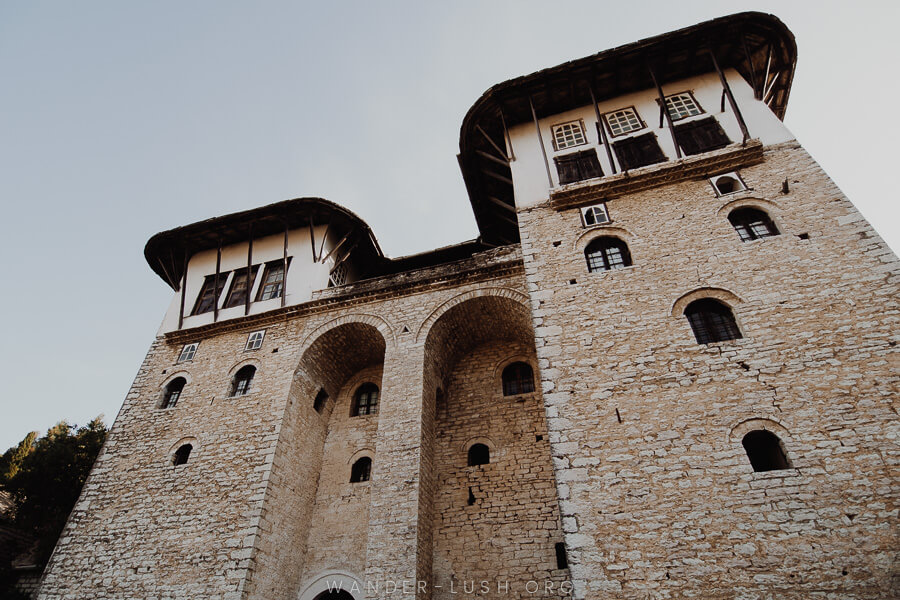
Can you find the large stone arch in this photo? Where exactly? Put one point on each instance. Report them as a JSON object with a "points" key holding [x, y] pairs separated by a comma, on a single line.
{"points": [[499, 292], [333, 580]]}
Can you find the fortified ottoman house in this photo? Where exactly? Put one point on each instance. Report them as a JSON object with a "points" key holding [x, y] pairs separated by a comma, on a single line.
{"points": [[665, 369]]}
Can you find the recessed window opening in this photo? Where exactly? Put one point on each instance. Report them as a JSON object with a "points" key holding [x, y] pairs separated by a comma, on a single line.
{"points": [[187, 352], [241, 285], [366, 400], [321, 399], [479, 454], [711, 321], [273, 281], [209, 294], [173, 392], [255, 340], [181, 455], [567, 135], [607, 253], [593, 215], [752, 224], [242, 379], [361, 470], [562, 561], [765, 451], [727, 183], [518, 378]]}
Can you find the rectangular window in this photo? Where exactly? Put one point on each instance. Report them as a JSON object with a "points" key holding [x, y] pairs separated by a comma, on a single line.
{"points": [[696, 137], [273, 281], [578, 166], [338, 275], [623, 121], [639, 151], [241, 286], [209, 294], [255, 340], [682, 106], [188, 352], [568, 135]]}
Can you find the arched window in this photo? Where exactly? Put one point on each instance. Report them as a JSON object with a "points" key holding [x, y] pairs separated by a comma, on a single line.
{"points": [[711, 321], [518, 378], [728, 185], [241, 384], [752, 224], [479, 454], [361, 470], [334, 595], [173, 392], [182, 454], [321, 399], [607, 253], [765, 451], [365, 402]]}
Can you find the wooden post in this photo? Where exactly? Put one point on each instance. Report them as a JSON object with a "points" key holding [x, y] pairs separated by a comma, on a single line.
{"points": [[601, 132], [537, 126], [183, 286], [665, 109], [249, 266], [284, 259], [216, 282], [731, 100]]}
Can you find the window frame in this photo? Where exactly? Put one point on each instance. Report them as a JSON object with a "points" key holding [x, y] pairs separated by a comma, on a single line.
{"points": [[593, 208], [689, 94], [273, 264], [230, 301], [361, 470], [734, 175], [193, 346], [250, 340], [506, 385], [606, 242], [605, 117], [210, 281], [579, 123], [744, 228], [709, 327], [168, 401], [371, 405], [241, 386]]}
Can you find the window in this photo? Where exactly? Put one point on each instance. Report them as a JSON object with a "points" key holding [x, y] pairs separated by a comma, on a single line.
{"points": [[567, 135], [255, 340], [338, 275], [366, 400], [518, 378], [173, 392], [752, 224], [594, 215], [607, 253], [479, 454], [682, 106], [240, 287], [209, 294], [240, 386], [727, 183], [562, 562], [700, 136], [321, 399], [623, 121], [188, 352], [639, 151], [273, 281], [711, 321], [182, 454], [361, 470], [765, 451], [578, 166]]}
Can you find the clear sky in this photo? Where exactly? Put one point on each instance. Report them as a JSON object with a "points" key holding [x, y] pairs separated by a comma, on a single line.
{"points": [[122, 119]]}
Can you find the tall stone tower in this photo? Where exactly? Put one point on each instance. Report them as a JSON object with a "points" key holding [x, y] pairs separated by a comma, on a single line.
{"points": [[666, 368]]}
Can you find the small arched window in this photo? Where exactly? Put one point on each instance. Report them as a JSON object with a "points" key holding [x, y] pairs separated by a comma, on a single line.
{"points": [[182, 454], [479, 454], [711, 321], [728, 185], [361, 470], [607, 253], [518, 378], [365, 402], [321, 399], [173, 392], [765, 451], [241, 384], [752, 224]]}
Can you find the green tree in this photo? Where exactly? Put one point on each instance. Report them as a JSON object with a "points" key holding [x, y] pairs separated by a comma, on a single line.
{"points": [[12, 458]]}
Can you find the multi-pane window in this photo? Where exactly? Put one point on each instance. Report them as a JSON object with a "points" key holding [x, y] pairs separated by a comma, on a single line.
{"points": [[568, 135], [682, 106], [209, 293], [255, 340], [607, 253], [173, 392], [273, 281], [711, 321], [338, 275], [696, 137], [240, 386], [188, 352], [361, 470], [578, 166], [240, 287], [518, 378], [623, 121], [366, 400], [639, 151], [594, 215], [752, 224]]}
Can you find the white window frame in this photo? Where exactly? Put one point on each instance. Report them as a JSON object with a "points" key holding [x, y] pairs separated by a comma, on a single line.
{"points": [[624, 111], [597, 213], [255, 340], [690, 100], [742, 187], [578, 124], [188, 351]]}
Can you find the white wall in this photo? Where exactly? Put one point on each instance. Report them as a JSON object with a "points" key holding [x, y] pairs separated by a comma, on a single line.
{"points": [[529, 173], [303, 276]]}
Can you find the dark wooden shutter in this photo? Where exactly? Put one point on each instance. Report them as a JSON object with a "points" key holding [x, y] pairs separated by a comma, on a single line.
{"points": [[578, 166], [589, 164], [639, 151], [567, 168], [700, 136]]}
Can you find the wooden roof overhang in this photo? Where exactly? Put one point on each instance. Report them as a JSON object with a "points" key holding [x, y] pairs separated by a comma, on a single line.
{"points": [[167, 252], [759, 46]]}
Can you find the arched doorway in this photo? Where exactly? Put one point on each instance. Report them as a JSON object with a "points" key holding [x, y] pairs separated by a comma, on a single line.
{"points": [[334, 595]]}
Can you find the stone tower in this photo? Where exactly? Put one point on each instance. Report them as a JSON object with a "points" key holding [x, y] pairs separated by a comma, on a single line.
{"points": [[665, 369]]}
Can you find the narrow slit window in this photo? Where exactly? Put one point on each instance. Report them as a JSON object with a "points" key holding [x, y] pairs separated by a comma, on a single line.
{"points": [[173, 392], [241, 285], [562, 561], [242, 379], [711, 321], [479, 454], [182, 454], [321, 399], [765, 451], [361, 470], [606, 254], [752, 224], [518, 378], [366, 400]]}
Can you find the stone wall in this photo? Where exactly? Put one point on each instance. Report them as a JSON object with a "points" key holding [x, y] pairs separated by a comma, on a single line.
{"points": [[658, 498]]}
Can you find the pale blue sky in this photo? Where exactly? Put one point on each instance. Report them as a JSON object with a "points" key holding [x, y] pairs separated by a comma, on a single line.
{"points": [[121, 119]]}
